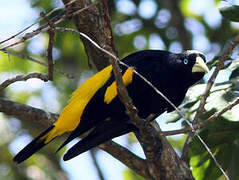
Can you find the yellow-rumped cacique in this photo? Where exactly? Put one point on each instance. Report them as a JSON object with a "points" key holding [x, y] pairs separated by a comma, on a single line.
{"points": [[96, 110]]}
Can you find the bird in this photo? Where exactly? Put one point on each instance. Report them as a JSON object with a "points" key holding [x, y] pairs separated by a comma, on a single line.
{"points": [[95, 112]]}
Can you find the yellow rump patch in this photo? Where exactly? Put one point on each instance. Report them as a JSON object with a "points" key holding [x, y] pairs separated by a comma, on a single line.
{"points": [[111, 91], [71, 115]]}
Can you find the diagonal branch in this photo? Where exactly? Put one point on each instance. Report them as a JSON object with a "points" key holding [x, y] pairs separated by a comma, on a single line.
{"points": [[25, 112], [127, 157]]}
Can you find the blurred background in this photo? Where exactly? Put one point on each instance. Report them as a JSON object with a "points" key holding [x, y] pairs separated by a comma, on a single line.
{"points": [[137, 25]]}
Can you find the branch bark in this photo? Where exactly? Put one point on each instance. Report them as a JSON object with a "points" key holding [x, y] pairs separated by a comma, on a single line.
{"points": [[91, 22]]}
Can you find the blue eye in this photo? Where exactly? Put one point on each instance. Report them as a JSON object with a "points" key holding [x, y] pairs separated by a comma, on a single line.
{"points": [[185, 61]]}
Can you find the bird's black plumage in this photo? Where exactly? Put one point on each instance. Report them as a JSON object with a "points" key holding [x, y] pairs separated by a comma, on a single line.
{"points": [[104, 115]]}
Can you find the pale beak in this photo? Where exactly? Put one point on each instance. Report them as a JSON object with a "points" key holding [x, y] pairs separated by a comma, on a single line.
{"points": [[200, 66]]}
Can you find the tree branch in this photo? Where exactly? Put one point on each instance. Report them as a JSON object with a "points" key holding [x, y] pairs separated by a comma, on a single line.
{"points": [[91, 22], [126, 157], [22, 111]]}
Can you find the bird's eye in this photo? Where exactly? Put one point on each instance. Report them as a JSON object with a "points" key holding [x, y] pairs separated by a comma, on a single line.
{"points": [[185, 61]]}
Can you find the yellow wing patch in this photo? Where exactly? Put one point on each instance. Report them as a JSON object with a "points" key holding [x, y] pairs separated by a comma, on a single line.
{"points": [[71, 115], [111, 91]]}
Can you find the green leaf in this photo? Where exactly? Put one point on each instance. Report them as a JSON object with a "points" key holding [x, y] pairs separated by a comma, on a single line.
{"points": [[131, 175], [177, 143], [222, 138], [231, 13], [13, 64], [216, 2]]}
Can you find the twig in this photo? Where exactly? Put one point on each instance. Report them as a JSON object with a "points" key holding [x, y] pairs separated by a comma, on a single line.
{"points": [[49, 54], [204, 123], [46, 27], [175, 132], [24, 77], [51, 33], [219, 113], [35, 32], [70, 76], [210, 83], [38, 21]]}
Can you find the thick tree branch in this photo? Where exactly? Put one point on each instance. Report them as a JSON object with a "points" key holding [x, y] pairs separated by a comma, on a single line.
{"points": [[22, 111], [91, 22], [124, 155]]}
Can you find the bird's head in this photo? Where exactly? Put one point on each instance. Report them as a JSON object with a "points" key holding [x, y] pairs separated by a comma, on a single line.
{"points": [[192, 65], [198, 61]]}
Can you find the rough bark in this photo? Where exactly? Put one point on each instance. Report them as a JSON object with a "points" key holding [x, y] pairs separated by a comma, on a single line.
{"points": [[91, 22]]}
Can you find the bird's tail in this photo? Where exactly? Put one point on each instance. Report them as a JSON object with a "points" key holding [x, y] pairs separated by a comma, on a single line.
{"points": [[36, 144], [100, 134]]}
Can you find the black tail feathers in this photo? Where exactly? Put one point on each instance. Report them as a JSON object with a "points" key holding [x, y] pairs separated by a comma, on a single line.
{"points": [[77, 132], [100, 134], [32, 147]]}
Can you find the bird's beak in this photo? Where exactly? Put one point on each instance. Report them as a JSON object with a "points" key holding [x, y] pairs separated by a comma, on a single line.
{"points": [[200, 66]]}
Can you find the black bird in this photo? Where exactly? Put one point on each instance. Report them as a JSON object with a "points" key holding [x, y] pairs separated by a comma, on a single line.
{"points": [[95, 110]]}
